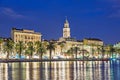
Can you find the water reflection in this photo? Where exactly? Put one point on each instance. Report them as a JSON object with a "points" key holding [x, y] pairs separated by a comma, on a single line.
{"points": [[76, 70]]}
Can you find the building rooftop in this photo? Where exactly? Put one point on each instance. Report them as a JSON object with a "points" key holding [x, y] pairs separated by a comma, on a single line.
{"points": [[25, 31], [93, 39]]}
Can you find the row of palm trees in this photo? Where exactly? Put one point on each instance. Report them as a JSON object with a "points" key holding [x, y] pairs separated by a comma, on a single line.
{"points": [[29, 48], [112, 51], [40, 48], [108, 50]]}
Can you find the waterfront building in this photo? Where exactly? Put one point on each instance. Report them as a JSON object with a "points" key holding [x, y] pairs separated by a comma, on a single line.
{"points": [[63, 44], [93, 41], [93, 46], [25, 35], [86, 46], [62, 47], [67, 41], [117, 45]]}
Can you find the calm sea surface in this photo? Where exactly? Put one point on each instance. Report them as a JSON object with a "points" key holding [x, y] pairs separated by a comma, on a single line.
{"points": [[63, 70]]}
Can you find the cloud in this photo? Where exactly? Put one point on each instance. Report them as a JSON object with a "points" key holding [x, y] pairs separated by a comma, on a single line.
{"points": [[11, 13]]}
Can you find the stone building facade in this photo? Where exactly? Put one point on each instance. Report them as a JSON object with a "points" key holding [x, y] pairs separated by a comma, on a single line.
{"points": [[25, 35]]}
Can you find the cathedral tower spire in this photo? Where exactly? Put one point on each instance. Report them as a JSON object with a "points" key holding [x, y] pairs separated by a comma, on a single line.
{"points": [[66, 29]]}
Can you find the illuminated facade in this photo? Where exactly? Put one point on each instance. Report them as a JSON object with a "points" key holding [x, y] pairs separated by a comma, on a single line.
{"points": [[66, 30], [93, 42], [25, 35], [67, 40], [117, 45], [93, 46], [87, 45]]}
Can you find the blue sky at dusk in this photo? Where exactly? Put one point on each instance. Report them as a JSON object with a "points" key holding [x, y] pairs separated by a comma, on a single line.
{"points": [[87, 18]]}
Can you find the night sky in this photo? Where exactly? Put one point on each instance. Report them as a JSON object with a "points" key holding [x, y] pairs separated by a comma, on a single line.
{"points": [[87, 18]]}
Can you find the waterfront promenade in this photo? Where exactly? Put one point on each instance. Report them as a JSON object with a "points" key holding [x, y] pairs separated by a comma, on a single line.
{"points": [[47, 60]]}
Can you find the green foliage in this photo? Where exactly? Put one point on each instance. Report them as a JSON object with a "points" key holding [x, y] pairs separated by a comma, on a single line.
{"points": [[30, 48], [50, 47], [62, 45], [70, 51], [8, 47], [20, 47], [1, 40], [40, 48]]}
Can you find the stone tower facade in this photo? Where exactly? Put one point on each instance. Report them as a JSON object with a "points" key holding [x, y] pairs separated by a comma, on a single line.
{"points": [[66, 30]]}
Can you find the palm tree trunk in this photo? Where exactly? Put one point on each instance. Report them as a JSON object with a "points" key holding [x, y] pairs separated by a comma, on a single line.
{"points": [[83, 51], [31, 55], [20, 53], [92, 51], [54, 52], [61, 50], [41, 55], [76, 52], [50, 53], [112, 54], [8, 55], [107, 54]]}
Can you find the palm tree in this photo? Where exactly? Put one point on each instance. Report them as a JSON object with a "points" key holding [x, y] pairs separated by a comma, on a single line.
{"points": [[83, 51], [19, 48], [50, 47], [27, 52], [1, 41], [112, 50], [92, 49], [8, 47], [40, 48], [62, 44], [70, 51], [76, 51], [98, 50], [117, 50], [107, 50], [30, 48], [103, 51]]}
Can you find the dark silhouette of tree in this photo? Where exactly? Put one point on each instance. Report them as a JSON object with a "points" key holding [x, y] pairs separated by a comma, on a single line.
{"points": [[8, 47], [20, 47], [51, 47], [40, 48]]}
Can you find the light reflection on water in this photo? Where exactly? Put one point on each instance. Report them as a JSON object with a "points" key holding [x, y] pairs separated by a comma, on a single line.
{"points": [[68, 70]]}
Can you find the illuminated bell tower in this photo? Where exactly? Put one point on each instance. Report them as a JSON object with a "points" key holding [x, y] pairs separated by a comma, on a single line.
{"points": [[66, 29]]}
